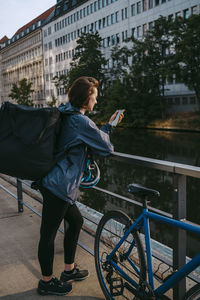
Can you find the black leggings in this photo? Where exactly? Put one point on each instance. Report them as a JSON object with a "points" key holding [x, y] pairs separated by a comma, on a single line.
{"points": [[54, 211]]}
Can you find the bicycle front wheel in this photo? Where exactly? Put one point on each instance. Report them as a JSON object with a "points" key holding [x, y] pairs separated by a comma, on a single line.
{"points": [[193, 293], [129, 257]]}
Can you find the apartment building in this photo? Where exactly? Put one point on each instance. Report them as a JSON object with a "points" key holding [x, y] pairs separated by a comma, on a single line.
{"points": [[22, 57], [115, 20]]}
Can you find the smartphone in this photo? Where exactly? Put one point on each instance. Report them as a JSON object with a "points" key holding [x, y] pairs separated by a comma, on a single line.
{"points": [[115, 121]]}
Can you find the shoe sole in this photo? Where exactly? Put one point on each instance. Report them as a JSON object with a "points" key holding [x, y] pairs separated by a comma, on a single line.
{"points": [[45, 293], [75, 279]]}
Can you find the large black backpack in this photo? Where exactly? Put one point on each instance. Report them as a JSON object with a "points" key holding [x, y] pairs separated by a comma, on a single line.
{"points": [[27, 140]]}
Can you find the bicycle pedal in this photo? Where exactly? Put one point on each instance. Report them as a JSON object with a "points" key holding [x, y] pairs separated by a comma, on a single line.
{"points": [[116, 286]]}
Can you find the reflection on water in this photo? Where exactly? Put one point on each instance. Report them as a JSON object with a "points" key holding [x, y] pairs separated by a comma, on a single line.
{"points": [[115, 176]]}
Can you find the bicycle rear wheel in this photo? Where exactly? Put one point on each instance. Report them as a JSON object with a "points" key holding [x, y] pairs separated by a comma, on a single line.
{"points": [[110, 230], [193, 293]]}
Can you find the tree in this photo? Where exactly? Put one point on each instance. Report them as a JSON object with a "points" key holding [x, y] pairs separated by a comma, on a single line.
{"points": [[22, 92], [87, 61], [187, 52], [53, 102]]}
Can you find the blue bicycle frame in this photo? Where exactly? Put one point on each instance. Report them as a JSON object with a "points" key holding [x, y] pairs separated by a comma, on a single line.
{"points": [[143, 221]]}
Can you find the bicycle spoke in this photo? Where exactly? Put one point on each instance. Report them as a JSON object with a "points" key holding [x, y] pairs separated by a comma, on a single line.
{"points": [[109, 233]]}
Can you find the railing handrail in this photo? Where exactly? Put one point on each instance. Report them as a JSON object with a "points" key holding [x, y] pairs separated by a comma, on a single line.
{"points": [[168, 166]]}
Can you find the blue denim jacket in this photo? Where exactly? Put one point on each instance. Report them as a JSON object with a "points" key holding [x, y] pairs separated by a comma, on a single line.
{"points": [[78, 133]]}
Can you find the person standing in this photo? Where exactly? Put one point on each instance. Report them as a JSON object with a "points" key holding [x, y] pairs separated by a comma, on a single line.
{"points": [[59, 187]]}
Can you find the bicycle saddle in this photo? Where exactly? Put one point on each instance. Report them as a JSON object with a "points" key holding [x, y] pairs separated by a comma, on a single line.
{"points": [[142, 191]]}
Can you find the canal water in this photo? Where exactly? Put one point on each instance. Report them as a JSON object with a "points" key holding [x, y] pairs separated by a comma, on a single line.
{"points": [[180, 147]]}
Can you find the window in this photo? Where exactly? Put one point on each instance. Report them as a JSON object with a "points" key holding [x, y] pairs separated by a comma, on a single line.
{"points": [[88, 10], [81, 14], [170, 101], [133, 10], [124, 35], [91, 8], [184, 100], [177, 101], [192, 100], [144, 29], [45, 33], [122, 13], [157, 2], [138, 31], [108, 19], [99, 4], [92, 27], [112, 19], [100, 24], [126, 12], [133, 32], [66, 5], [150, 26], [186, 13], [95, 6], [163, 1], [117, 38], [113, 40], [49, 30], [103, 3], [50, 45], [117, 16], [104, 22], [144, 5], [150, 4], [139, 7], [108, 41]]}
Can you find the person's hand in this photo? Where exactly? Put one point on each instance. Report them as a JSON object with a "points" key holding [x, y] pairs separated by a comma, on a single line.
{"points": [[114, 116]]}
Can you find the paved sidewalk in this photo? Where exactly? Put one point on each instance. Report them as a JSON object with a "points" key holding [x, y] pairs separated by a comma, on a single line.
{"points": [[19, 267]]}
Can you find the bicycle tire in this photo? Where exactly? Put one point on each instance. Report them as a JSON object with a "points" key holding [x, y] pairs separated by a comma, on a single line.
{"points": [[110, 230], [193, 293]]}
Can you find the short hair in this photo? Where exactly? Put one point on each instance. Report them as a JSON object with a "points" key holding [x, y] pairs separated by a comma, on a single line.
{"points": [[80, 90]]}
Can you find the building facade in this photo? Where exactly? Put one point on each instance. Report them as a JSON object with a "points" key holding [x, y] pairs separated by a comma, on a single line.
{"points": [[44, 47], [22, 57], [115, 20]]}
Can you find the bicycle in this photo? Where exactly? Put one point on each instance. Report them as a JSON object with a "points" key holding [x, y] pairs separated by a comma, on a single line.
{"points": [[121, 262]]}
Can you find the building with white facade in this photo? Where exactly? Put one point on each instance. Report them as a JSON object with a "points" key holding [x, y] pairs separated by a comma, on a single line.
{"points": [[115, 20], [22, 57]]}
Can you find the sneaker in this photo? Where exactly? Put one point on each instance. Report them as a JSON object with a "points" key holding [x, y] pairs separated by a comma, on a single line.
{"points": [[76, 275], [54, 287]]}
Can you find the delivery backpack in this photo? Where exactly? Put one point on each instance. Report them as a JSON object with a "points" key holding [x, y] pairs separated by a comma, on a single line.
{"points": [[28, 140]]}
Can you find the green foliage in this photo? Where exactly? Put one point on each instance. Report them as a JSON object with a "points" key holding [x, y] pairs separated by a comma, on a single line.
{"points": [[22, 92], [88, 61], [137, 79], [53, 102], [187, 58]]}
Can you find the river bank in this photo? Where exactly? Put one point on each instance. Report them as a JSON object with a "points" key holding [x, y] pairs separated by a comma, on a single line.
{"points": [[188, 121], [185, 121]]}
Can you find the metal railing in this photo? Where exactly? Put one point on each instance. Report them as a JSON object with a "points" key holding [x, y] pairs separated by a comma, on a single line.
{"points": [[179, 173]]}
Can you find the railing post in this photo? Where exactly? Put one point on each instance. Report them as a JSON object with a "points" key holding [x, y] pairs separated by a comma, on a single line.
{"points": [[19, 196], [179, 249]]}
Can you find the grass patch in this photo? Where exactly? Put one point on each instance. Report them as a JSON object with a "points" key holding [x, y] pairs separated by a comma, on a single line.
{"points": [[186, 120]]}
